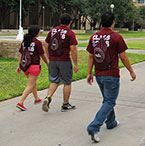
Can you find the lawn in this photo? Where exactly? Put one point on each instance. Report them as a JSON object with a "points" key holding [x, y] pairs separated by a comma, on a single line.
{"points": [[132, 44], [125, 34], [136, 44], [13, 84], [132, 34]]}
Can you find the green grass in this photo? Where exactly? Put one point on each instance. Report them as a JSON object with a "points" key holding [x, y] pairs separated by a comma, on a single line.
{"points": [[136, 44], [125, 34], [134, 58], [132, 34], [132, 44], [13, 84]]}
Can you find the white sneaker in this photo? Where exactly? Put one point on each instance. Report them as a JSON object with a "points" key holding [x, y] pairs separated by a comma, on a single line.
{"points": [[95, 138], [118, 123]]}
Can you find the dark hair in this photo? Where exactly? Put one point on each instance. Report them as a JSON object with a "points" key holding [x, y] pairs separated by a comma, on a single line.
{"points": [[65, 19], [32, 32], [107, 19]]}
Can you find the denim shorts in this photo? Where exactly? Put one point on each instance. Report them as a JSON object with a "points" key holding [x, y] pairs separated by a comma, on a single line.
{"points": [[60, 71]]}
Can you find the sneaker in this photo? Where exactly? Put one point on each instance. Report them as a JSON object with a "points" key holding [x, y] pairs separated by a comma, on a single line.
{"points": [[94, 137], [38, 101], [46, 102], [66, 107], [21, 107], [117, 124]]}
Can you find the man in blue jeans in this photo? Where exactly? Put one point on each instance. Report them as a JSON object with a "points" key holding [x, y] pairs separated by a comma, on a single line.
{"points": [[105, 58]]}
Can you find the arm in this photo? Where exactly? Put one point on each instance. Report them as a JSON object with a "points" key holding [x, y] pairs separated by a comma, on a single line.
{"points": [[18, 68], [73, 50], [46, 49], [126, 62], [44, 59], [90, 67]]}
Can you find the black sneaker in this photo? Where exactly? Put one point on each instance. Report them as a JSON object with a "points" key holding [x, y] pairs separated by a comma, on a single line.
{"points": [[45, 104], [67, 106]]}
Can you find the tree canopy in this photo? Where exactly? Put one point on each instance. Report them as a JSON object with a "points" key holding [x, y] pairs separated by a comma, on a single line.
{"points": [[125, 11]]}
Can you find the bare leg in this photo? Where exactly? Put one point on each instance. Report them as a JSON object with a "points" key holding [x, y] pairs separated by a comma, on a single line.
{"points": [[66, 93], [52, 88], [34, 91], [30, 86]]}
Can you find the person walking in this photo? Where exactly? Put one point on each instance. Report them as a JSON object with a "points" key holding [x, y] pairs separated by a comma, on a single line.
{"points": [[105, 47], [59, 44], [35, 49]]}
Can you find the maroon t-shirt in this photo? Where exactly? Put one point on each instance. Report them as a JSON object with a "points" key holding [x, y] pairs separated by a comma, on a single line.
{"points": [[35, 50], [69, 39], [115, 44]]}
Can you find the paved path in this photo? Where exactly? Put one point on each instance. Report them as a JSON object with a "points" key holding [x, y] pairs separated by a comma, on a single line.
{"points": [[37, 128], [82, 48]]}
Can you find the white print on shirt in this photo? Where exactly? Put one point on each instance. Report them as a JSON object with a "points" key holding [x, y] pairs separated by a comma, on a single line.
{"points": [[31, 48], [62, 33], [97, 38]]}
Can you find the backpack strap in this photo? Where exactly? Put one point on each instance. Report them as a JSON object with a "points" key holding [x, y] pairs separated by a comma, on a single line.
{"points": [[109, 65], [107, 34]]}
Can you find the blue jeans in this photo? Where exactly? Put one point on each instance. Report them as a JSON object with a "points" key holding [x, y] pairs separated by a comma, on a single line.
{"points": [[109, 87]]}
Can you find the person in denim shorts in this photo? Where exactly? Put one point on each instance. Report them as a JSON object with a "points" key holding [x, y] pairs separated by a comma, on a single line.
{"points": [[60, 66], [107, 78], [36, 51]]}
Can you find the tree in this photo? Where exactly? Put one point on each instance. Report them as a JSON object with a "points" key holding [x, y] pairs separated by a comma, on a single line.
{"points": [[142, 12], [40, 4], [141, 18], [9, 6], [73, 7], [5, 5], [123, 10]]}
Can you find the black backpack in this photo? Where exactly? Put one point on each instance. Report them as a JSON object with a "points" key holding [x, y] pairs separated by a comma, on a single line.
{"points": [[25, 59], [102, 58], [55, 45]]}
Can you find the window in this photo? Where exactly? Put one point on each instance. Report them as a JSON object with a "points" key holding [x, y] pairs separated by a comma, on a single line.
{"points": [[141, 1]]}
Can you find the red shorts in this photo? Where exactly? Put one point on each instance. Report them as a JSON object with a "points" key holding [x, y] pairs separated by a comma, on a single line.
{"points": [[33, 70]]}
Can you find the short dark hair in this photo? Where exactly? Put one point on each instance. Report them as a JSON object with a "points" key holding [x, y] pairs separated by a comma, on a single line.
{"points": [[107, 19], [65, 19]]}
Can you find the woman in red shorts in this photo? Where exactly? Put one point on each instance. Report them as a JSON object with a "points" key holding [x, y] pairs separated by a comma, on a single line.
{"points": [[36, 51]]}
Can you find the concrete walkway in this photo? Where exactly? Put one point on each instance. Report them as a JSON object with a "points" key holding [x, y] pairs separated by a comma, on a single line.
{"points": [[85, 41], [37, 128]]}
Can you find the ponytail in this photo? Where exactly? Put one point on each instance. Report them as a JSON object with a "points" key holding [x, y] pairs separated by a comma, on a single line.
{"points": [[27, 40], [32, 33]]}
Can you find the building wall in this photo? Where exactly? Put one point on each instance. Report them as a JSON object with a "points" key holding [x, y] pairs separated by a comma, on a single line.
{"points": [[139, 2], [10, 49]]}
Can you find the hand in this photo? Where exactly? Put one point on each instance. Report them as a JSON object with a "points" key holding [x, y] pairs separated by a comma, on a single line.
{"points": [[133, 75], [90, 79], [18, 70], [76, 68]]}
